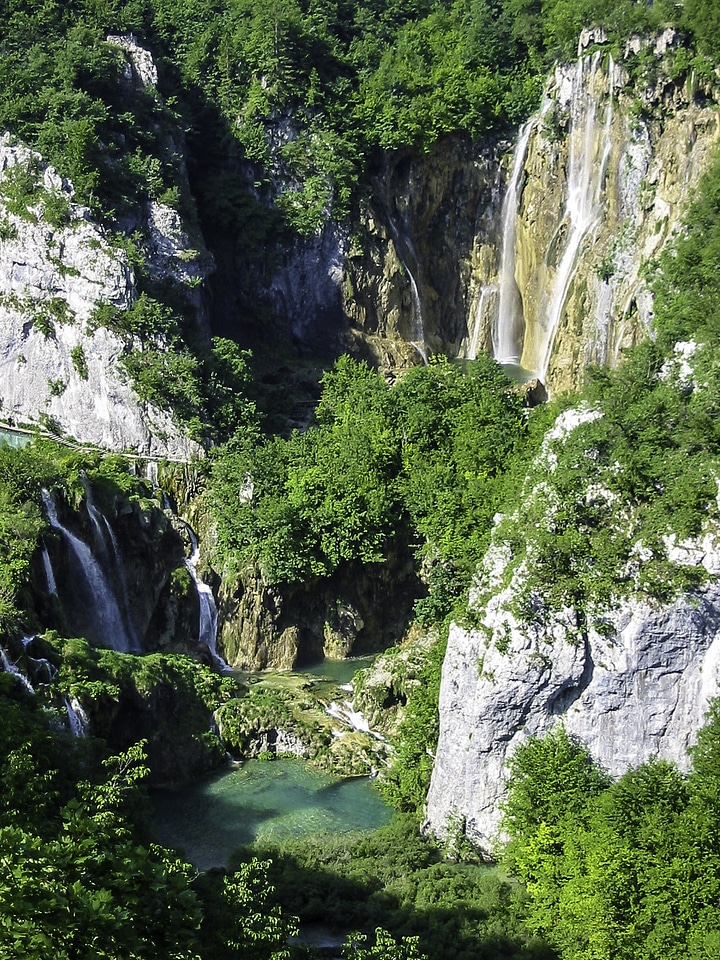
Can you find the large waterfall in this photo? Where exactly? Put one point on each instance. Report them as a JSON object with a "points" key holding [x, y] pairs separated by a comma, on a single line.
{"points": [[95, 604], [530, 313], [510, 324]]}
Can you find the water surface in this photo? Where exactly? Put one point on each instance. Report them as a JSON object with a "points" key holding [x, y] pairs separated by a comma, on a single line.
{"points": [[261, 799]]}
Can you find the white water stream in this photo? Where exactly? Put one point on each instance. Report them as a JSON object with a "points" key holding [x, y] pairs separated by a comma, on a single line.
{"points": [[9, 667], [49, 575], [207, 627], [589, 153], [77, 718], [105, 611], [589, 150], [107, 545], [418, 331], [510, 326]]}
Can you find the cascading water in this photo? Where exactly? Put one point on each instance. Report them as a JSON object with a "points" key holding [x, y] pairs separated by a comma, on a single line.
{"points": [[517, 336], [207, 627], [510, 325], [49, 575], [589, 153], [41, 665], [9, 667], [77, 718], [107, 545], [418, 331], [487, 295], [104, 619]]}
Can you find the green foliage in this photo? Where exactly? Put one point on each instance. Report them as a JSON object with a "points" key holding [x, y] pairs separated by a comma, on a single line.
{"points": [[385, 947], [399, 881], [79, 361], [406, 783], [623, 869], [79, 877], [423, 458]]}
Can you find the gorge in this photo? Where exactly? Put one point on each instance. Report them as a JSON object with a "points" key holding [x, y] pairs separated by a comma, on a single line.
{"points": [[436, 380]]}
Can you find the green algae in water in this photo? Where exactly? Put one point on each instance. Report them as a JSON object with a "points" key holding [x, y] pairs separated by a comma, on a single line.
{"points": [[262, 800]]}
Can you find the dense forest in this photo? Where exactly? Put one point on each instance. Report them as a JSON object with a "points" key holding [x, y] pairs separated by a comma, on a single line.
{"points": [[591, 868]]}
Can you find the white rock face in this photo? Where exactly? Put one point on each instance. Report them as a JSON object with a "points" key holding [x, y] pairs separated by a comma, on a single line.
{"points": [[632, 681], [51, 280], [141, 65], [639, 691]]}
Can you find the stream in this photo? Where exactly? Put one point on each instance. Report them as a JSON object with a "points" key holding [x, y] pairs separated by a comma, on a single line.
{"points": [[276, 799]]}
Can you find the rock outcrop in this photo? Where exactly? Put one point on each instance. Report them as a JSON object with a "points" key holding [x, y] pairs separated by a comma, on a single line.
{"points": [[358, 610], [631, 678], [60, 368]]}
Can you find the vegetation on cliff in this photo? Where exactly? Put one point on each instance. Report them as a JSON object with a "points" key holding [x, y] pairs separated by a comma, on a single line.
{"points": [[423, 460], [620, 869], [303, 94]]}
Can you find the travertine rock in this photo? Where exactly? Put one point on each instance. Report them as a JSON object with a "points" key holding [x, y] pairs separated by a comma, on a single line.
{"points": [[56, 369], [632, 679]]}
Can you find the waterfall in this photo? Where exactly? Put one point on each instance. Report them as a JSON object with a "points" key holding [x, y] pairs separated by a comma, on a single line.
{"points": [[107, 544], [418, 332], [77, 718], [103, 611], [586, 175], [590, 145], [345, 713], [510, 326], [487, 293], [49, 575], [41, 663], [207, 627], [9, 667]]}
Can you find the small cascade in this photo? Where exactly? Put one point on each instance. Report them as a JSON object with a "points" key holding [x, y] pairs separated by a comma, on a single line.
{"points": [[589, 153], [351, 718], [9, 667], [487, 295], [418, 331], [108, 547], [49, 575], [207, 628], [510, 325], [40, 664], [104, 612], [77, 718]]}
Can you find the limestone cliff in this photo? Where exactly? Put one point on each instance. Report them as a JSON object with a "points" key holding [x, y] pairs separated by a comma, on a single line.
{"points": [[603, 173], [359, 609], [60, 368], [535, 251], [631, 677]]}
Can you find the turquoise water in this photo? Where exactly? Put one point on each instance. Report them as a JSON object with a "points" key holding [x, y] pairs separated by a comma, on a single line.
{"points": [[339, 671], [8, 438], [279, 800], [517, 373]]}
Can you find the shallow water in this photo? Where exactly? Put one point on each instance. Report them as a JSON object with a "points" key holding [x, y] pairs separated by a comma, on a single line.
{"points": [[339, 671], [261, 799]]}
